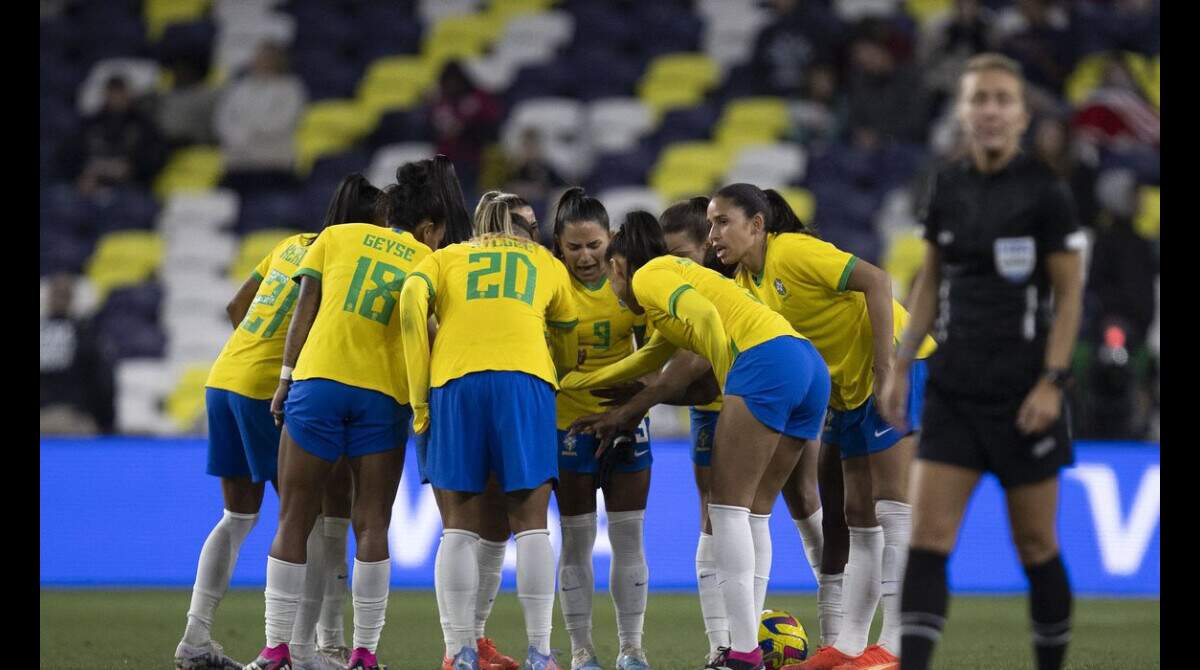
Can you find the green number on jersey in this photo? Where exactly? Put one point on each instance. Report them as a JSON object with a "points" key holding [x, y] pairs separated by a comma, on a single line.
{"points": [[388, 280], [280, 280], [513, 260], [603, 332]]}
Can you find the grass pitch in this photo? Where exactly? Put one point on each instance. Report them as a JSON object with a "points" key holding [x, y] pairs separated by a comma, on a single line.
{"points": [[93, 629]]}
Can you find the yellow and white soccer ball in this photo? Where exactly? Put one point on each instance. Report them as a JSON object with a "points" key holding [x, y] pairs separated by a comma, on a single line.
{"points": [[782, 639]]}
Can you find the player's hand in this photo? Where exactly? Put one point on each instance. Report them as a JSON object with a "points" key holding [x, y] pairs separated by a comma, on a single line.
{"points": [[605, 426], [893, 399], [620, 394], [277, 401], [420, 420], [1041, 409]]}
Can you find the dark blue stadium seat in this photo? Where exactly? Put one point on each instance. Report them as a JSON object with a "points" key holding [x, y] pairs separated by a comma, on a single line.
{"points": [[64, 251], [193, 40], [671, 25], [555, 79], [327, 73], [403, 125], [611, 72], [140, 302], [336, 166], [622, 169], [388, 28], [604, 24], [132, 338], [126, 209], [685, 124], [269, 209]]}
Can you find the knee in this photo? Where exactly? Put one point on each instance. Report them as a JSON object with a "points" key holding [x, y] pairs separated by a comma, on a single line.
{"points": [[860, 513], [1035, 547], [933, 534]]}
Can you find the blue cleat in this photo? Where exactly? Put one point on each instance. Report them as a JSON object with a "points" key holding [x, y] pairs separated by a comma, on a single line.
{"points": [[536, 661]]}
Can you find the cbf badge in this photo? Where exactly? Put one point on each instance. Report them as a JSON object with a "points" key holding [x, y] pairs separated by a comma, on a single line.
{"points": [[1015, 258], [568, 444], [779, 287]]}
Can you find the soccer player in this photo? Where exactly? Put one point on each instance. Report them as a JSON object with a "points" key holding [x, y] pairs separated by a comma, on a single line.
{"points": [[487, 399], [346, 394], [776, 387], [243, 442], [1002, 284], [845, 306], [607, 330]]}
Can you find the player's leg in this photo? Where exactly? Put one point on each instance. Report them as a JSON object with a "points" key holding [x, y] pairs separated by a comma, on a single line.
{"points": [[712, 603], [493, 541], [335, 527], [890, 470], [835, 535], [629, 575], [535, 566], [576, 496], [804, 504], [456, 567], [861, 584], [1033, 515], [787, 455], [325, 564]]}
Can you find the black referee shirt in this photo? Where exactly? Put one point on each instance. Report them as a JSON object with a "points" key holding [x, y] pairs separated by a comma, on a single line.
{"points": [[993, 231]]}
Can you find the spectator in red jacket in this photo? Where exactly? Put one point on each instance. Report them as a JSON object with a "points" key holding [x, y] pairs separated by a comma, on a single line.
{"points": [[465, 118]]}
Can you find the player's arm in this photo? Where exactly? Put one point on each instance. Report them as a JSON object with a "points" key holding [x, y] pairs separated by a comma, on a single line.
{"points": [[564, 348], [641, 362], [923, 312], [876, 287], [415, 300], [237, 308], [303, 317], [562, 316], [709, 332]]}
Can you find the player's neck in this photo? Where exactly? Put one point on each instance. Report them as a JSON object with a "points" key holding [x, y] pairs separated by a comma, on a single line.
{"points": [[756, 260], [993, 161]]}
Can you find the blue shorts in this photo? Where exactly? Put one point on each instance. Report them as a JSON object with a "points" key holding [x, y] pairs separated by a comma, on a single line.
{"points": [[704, 428], [862, 430], [421, 446], [578, 453], [785, 384], [330, 419], [492, 421], [242, 437]]}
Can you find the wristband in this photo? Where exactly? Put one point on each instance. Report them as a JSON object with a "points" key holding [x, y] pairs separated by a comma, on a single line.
{"points": [[285, 373], [1059, 377]]}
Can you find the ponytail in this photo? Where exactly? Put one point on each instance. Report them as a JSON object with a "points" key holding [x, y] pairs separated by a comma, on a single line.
{"points": [[428, 190], [496, 218], [354, 200], [575, 205], [449, 192], [777, 214], [783, 218], [639, 240]]}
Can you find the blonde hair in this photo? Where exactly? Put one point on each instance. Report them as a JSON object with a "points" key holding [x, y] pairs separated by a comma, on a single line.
{"points": [[495, 216], [994, 62]]}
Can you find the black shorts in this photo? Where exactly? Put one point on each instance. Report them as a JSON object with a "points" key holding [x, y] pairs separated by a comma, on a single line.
{"points": [[983, 435]]}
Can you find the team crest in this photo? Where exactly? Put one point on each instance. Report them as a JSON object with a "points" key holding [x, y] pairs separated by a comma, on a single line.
{"points": [[1015, 258], [568, 443], [779, 287]]}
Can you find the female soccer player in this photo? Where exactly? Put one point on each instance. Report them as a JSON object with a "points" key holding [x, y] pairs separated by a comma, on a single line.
{"points": [[243, 445], [504, 381], [775, 384], [1003, 279], [349, 397], [607, 330], [845, 306]]}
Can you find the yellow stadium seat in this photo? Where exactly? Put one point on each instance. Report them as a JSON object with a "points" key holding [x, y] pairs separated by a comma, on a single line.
{"points": [[330, 126], [801, 201], [1149, 203], [695, 68], [902, 262], [124, 258], [675, 186], [394, 82], [507, 9], [770, 114], [1146, 72], [736, 138], [663, 96], [1089, 73], [255, 247], [924, 10], [185, 404], [461, 36], [158, 14], [700, 157], [194, 168]]}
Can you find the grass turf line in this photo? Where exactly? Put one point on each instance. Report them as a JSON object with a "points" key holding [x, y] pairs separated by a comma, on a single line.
{"points": [[92, 629]]}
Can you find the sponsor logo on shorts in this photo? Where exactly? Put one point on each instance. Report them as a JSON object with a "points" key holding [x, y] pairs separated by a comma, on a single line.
{"points": [[568, 445], [704, 441], [1043, 447], [881, 433], [639, 454]]}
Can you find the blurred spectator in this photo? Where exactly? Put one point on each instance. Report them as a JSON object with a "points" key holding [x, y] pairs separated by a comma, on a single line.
{"points": [[185, 113], [76, 372], [949, 41], [118, 145], [887, 98], [1117, 115], [464, 119], [804, 34], [1124, 264], [1053, 144], [533, 177], [1035, 34], [256, 122], [817, 119]]}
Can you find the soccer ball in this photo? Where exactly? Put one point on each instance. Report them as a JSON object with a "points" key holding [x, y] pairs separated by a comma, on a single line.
{"points": [[782, 639]]}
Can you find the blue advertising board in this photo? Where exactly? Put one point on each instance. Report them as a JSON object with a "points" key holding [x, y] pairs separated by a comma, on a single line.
{"points": [[135, 512]]}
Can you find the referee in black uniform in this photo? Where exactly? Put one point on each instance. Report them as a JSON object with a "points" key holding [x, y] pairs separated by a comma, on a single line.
{"points": [[1001, 288]]}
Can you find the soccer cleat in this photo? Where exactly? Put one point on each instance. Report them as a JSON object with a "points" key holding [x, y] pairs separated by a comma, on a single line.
{"points": [[536, 661], [721, 661], [318, 662], [203, 657], [584, 658], [826, 658], [632, 658], [361, 659], [466, 659], [873, 657], [490, 658], [272, 658], [339, 655]]}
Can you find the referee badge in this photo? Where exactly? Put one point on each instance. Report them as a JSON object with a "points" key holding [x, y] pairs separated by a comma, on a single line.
{"points": [[1015, 258], [779, 287]]}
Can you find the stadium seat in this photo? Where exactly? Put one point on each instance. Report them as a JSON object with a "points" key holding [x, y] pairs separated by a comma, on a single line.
{"points": [[432, 11], [619, 201], [853, 11], [141, 385], [494, 72], [238, 39], [730, 41], [552, 27], [185, 404], [190, 169], [802, 202], [140, 74], [255, 247], [1089, 74], [690, 162], [329, 126], [771, 165], [196, 337], [124, 258], [767, 113], [395, 83], [209, 209], [158, 14], [197, 247], [903, 259], [459, 37], [1147, 221], [924, 11], [677, 80], [616, 124], [560, 121], [385, 161]]}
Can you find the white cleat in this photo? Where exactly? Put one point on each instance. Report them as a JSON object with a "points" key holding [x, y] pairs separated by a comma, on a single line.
{"points": [[204, 657], [319, 662], [632, 658], [339, 655]]}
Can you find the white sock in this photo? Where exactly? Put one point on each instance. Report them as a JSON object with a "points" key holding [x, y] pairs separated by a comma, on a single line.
{"points": [[448, 636], [760, 530], [829, 607], [896, 520], [576, 577], [331, 629], [814, 539], [304, 634], [860, 595], [712, 603], [491, 563], [628, 574], [217, 558], [733, 547], [285, 584], [456, 575], [535, 585], [371, 582]]}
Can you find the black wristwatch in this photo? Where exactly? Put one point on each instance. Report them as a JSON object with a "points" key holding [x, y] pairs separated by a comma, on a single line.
{"points": [[1060, 377]]}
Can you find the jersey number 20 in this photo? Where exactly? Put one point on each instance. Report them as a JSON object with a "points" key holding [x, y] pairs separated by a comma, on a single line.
{"points": [[512, 262]]}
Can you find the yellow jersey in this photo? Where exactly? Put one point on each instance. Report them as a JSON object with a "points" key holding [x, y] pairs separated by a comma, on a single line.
{"points": [[493, 298], [804, 279], [250, 360], [355, 338], [606, 335]]}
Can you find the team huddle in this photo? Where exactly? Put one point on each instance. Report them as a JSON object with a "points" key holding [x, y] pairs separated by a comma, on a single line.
{"points": [[521, 371]]}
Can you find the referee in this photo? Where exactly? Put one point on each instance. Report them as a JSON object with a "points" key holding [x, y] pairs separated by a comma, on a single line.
{"points": [[1001, 288]]}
